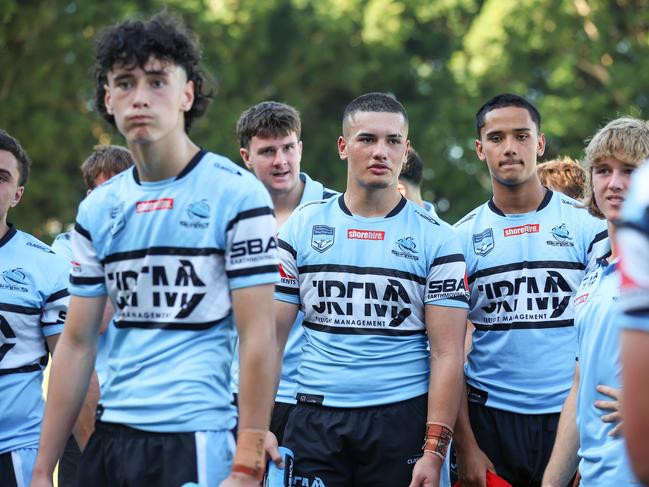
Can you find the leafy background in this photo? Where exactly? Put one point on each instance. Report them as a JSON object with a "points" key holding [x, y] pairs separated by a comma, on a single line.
{"points": [[582, 62]]}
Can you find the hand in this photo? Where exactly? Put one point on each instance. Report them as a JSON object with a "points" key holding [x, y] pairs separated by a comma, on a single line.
{"points": [[426, 471], [240, 480], [615, 406], [272, 449], [472, 466]]}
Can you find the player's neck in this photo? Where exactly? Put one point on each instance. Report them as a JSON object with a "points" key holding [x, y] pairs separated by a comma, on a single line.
{"points": [[285, 203], [521, 198], [371, 202], [4, 228], [612, 238], [163, 159]]}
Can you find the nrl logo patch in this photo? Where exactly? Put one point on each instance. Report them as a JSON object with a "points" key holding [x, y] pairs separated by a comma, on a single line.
{"points": [[483, 242], [322, 237]]}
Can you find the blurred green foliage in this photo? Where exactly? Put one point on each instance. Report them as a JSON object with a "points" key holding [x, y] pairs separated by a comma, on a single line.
{"points": [[582, 62]]}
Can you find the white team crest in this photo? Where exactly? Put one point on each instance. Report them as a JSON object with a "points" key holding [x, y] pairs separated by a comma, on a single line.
{"points": [[322, 237], [483, 242]]}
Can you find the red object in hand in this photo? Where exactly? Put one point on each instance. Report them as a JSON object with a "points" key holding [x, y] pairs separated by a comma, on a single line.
{"points": [[493, 480]]}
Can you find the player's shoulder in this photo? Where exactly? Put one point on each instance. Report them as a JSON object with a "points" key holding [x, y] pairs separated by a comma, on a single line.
{"points": [[220, 171], [38, 254], [104, 194], [465, 223], [316, 206]]}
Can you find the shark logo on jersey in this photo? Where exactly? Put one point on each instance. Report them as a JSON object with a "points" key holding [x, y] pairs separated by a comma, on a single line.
{"points": [[483, 242], [117, 219], [15, 280], [6, 332], [407, 248], [198, 213], [322, 237], [561, 236]]}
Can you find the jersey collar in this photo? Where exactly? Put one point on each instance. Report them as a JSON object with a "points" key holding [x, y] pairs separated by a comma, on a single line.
{"points": [[544, 202], [393, 212], [186, 170], [10, 233]]}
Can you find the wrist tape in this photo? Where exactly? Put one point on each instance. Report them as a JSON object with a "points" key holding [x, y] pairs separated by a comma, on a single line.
{"points": [[250, 456], [438, 438]]}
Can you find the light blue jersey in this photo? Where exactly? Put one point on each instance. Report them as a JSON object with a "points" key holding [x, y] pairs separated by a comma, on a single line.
{"points": [[633, 240], [523, 271], [313, 191], [362, 284], [33, 304], [604, 461], [169, 253], [62, 245]]}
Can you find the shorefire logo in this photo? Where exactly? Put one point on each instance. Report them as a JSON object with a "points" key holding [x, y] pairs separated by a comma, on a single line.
{"points": [[352, 233], [530, 228], [154, 205]]}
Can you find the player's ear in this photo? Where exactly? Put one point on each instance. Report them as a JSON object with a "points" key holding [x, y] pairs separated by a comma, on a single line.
{"points": [[245, 157], [17, 196], [540, 147], [402, 189], [479, 150], [342, 147], [187, 96], [107, 101]]}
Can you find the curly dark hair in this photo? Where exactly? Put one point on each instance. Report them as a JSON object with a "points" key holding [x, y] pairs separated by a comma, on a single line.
{"points": [[133, 42]]}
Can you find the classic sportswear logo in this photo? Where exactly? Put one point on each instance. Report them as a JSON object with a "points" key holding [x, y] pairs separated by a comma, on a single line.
{"points": [[529, 228], [353, 233], [154, 205]]}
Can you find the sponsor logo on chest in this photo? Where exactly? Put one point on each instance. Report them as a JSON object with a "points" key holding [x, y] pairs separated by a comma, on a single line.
{"points": [[521, 230]]}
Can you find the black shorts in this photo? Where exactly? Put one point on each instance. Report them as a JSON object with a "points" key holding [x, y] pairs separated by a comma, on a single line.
{"points": [[354, 447], [519, 445], [279, 419], [69, 463], [117, 455]]}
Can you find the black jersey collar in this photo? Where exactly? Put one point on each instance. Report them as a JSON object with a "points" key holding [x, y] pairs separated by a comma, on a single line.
{"points": [[7, 236], [186, 170], [544, 202], [393, 212]]}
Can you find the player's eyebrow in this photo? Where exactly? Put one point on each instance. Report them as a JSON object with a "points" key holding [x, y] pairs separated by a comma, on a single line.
{"points": [[6, 174]]}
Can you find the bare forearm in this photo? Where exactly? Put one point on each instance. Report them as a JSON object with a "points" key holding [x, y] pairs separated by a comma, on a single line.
{"points": [[564, 460], [445, 388], [85, 424], [258, 381], [71, 370]]}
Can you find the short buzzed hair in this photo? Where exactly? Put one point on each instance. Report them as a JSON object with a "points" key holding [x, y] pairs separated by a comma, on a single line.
{"points": [[373, 102], [9, 144], [503, 101], [268, 119], [413, 169], [106, 160]]}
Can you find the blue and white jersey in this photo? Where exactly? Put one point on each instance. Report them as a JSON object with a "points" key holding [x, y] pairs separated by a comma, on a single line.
{"points": [[169, 253], [523, 270], [430, 208], [633, 241], [362, 284], [62, 245], [33, 303], [313, 191], [604, 461]]}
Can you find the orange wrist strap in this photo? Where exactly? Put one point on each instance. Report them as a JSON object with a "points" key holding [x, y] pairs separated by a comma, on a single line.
{"points": [[250, 456], [438, 438]]}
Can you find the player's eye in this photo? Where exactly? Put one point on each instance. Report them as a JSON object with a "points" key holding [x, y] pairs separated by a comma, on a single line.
{"points": [[158, 83]]}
